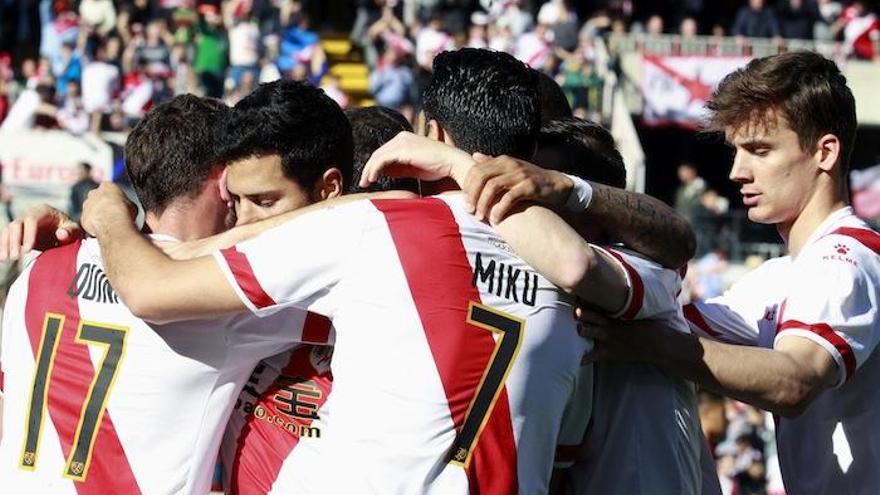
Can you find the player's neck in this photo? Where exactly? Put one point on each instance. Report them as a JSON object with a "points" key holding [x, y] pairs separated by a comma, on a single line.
{"points": [[183, 224], [797, 232]]}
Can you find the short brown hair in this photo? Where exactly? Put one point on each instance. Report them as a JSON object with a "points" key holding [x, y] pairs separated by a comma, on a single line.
{"points": [[805, 88], [173, 150]]}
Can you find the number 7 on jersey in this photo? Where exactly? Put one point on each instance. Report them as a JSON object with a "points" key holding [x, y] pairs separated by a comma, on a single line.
{"points": [[510, 331]]}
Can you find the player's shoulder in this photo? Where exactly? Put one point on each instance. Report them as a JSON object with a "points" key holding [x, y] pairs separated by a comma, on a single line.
{"points": [[851, 247]]}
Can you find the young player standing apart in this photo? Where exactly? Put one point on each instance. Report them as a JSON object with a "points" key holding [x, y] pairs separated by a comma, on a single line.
{"points": [[798, 336]]}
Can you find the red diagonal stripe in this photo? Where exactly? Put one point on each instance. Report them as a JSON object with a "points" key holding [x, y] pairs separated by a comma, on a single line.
{"points": [[868, 238], [693, 315], [638, 288], [826, 332], [73, 371], [428, 240], [263, 447], [244, 277]]}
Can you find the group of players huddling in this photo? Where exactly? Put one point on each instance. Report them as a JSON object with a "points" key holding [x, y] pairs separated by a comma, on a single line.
{"points": [[387, 343]]}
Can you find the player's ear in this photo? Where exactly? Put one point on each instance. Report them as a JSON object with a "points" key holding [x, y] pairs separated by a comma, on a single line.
{"points": [[436, 132], [828, 152], [330, 184]]}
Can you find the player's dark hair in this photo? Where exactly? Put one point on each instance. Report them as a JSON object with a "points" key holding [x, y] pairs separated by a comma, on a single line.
{"points": [[581, 148], [554, 104], [173, 149], [296, 121], [807, 89], [371, 127], [487, 101]]}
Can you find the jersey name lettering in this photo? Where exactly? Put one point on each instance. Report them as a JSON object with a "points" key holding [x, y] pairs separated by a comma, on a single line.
{"points": [[504, 280], [91, 284]]}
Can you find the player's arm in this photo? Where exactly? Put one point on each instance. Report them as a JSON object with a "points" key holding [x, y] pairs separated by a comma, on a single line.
{"points": [[548, 244], [41, 227], [492, 189], [784, 380], [154, 287], [203, 247], [641, 222]]}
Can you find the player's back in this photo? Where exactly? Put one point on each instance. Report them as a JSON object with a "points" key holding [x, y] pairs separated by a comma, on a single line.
{"points": [[98, 401], [454, 360]]}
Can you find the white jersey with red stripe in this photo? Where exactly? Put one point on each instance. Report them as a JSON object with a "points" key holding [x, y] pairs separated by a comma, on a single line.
{"points": [[98, 401], [278, 421], [644, 436], [828, 294], [453, 360]]}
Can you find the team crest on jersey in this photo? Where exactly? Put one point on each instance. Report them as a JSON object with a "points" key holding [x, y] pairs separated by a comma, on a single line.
{"points": [[77, 468], [320, 357]]}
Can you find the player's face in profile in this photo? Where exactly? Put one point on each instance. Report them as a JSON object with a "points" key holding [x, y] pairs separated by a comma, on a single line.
{"points": [[776, 176], [260, 190]]}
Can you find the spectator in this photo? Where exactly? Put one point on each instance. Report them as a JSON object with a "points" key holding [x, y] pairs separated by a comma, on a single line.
{"points": [[391, 83], [687, 196], [533, 47], [755, 21], [80, 190], [431, 40], [654, 26], [688, 28], [333, 89], [861, 29], [508, 14], [153, 51], [212, 49], [563, 23], [796, 19], [98, 16], [478, 33], [828, 11], [67, 67], [59, 25], [388, 32], [72, 116], [100, 82], [244, 40]]}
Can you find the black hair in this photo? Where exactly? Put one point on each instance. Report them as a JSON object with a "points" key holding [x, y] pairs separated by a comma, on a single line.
{"points": [[296, 121], [487, 101], [173, 149], [371, 127], [554, 104], [581, 148]]}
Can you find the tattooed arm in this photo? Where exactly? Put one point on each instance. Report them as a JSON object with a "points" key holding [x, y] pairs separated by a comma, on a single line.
{"points": [[643, 223]]}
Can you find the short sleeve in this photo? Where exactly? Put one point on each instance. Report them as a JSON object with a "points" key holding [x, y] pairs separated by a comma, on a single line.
{"points": [[297, 263], [653, 289], [575, 419], [734, 316], [836, 305]]}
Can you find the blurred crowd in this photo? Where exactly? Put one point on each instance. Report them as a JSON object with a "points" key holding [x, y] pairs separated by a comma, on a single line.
{"points": [[94, 65]]}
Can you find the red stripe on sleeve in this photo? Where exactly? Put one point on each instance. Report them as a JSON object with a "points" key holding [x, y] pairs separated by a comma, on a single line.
{"points": [[72, 374], [316, 329], [263, 444], [638, 288], [826, 332], [428, 240], [868, 238], [245, 278], [693, 315]]}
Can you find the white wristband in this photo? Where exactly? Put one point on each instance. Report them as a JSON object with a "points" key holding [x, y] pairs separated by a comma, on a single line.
{"points": [[581, 195]]}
